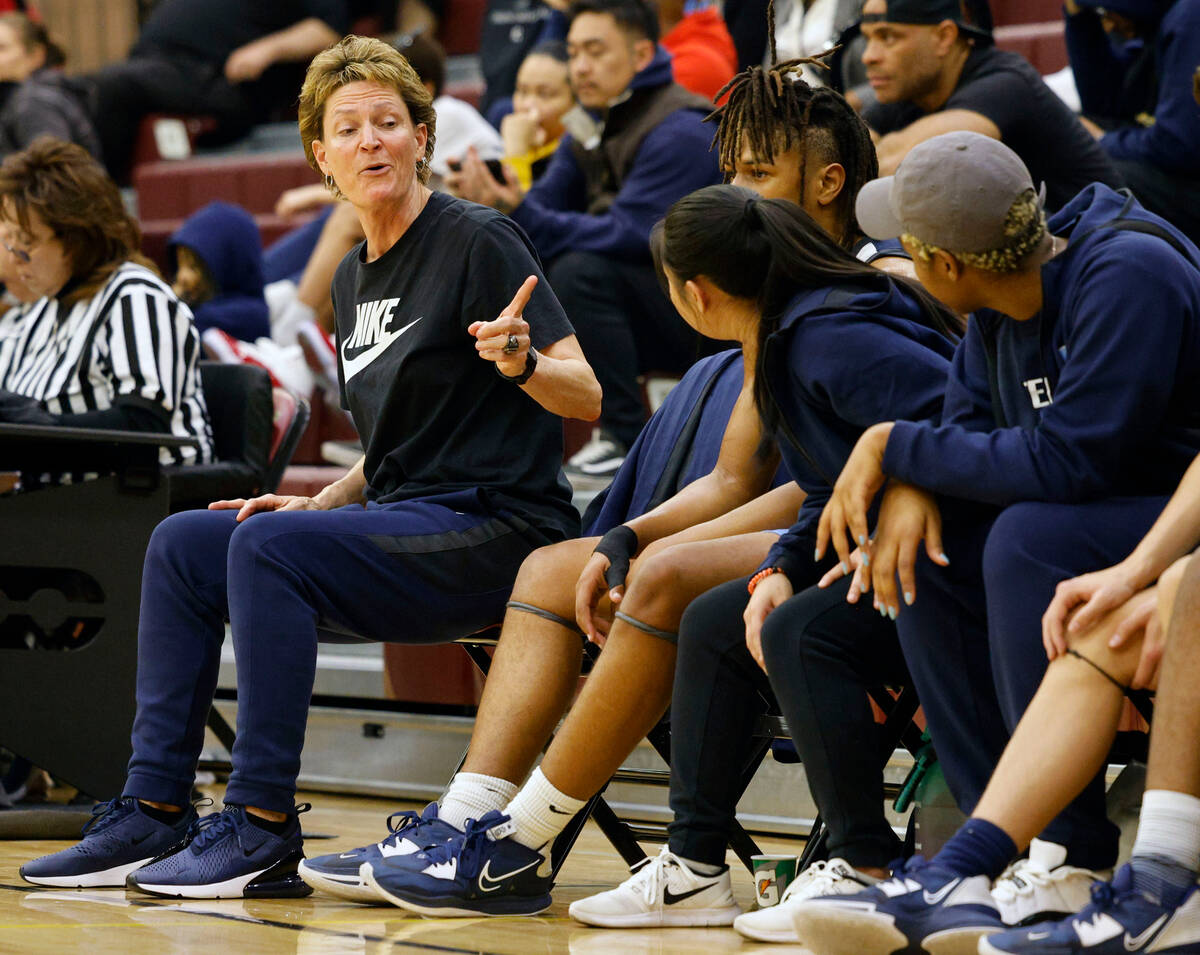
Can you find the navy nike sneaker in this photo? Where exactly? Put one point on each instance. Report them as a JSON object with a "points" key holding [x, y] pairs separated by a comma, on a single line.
{"points": [[339, 872], [481, 872], [1118, 921], [922, 908], [228, 857], [119, 838]]}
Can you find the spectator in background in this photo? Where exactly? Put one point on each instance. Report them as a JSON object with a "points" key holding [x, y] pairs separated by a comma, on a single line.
{"points": [[220, 57], [703, 57], [1133, 63], [590, 215], [531, 132], [36, 98], [934, 69], [459, 123], [216, 258], [511, 28], [106, 344]]}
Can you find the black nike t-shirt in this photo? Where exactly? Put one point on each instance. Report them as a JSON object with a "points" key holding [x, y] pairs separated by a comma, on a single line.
{"points": [[434, 417], [1033, 122]]}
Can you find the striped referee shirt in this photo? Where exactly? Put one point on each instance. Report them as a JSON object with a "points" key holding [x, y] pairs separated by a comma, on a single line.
{"points": [[132, 342]]}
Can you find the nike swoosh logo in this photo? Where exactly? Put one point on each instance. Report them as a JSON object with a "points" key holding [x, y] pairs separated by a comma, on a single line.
{"points": [[490, 883], [670, 898], [140, 839], [560, 812], [935, 898], [347, 855], [1038, 936], [352, 366], [1134, 942]]}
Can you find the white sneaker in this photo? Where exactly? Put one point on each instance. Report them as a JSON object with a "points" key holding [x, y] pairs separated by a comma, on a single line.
{"points": [[1042, 887], [775, 923], [601, 457], [661, 892]]}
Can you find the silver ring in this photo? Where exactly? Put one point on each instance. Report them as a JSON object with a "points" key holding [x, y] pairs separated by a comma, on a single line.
{"points": [[512, 346]]}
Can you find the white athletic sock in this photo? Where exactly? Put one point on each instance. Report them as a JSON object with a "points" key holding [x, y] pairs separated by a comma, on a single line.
{"points": [[1169, 828], [540, 811], [472, 795], [701, 868]]}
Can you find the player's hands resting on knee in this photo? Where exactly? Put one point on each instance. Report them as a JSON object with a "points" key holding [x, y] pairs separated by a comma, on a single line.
{"points": [[907, 515], [768, 594], [1082, 602], [266, 502], [855, 489]]}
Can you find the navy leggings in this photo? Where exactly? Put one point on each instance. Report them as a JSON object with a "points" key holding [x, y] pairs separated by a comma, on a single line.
{"points": [[976, 627], [422, 571]]}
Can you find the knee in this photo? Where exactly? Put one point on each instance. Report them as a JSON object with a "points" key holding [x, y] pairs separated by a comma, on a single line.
{"points": [[577, 278], [1183, 574], [181, 536], [1020, 531], [548, 575], [658, 588]]}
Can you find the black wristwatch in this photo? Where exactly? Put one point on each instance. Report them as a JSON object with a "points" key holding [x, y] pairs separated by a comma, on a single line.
{"points": [[531, 358]]}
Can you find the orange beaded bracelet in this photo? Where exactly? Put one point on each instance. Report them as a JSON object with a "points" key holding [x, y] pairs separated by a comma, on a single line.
{"points": [[760, 576]]}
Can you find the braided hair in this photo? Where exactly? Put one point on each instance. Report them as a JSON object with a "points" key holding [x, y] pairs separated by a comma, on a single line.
{"points": [[771, 109]]}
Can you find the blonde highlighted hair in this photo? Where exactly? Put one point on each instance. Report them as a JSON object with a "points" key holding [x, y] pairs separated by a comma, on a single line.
{"points": [[1024, 230], [358, 59]]}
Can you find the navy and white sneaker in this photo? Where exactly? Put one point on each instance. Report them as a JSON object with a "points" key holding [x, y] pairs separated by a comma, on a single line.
{"points": [[339, 873], [118, 839], [228, 857], [1118, 921], [481, 872], [922, 908]]}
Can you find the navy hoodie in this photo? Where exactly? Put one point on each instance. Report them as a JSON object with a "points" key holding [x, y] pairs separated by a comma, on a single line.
{"points": [[673, 160], [841, 361], [1118, 84], [1101, 389], [226, 239]]}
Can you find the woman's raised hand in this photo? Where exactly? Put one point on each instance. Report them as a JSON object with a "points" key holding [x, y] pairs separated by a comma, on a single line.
{"points": [[494, 340]]}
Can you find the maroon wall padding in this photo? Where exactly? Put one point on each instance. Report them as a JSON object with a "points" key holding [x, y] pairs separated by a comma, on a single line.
{"points": [[156, 232], [1042, 44], [1007, 12], [461, 25], [176, 189], [441, 673]]}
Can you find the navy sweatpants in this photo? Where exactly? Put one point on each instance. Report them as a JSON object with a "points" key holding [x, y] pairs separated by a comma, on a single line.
{"points": [[422, 571], [973, 639]]}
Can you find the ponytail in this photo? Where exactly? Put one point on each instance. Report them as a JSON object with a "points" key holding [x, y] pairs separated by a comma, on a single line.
{"points": [[767, 250]]}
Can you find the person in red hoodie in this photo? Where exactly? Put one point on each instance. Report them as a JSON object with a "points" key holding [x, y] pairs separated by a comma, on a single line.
{"points": [[703, 57]]}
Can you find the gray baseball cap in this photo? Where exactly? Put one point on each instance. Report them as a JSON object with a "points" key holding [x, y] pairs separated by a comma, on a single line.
{"points": [[953, 191]]}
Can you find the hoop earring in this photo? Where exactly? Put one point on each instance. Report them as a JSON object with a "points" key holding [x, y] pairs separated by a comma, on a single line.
{"points": [[332, 186]]}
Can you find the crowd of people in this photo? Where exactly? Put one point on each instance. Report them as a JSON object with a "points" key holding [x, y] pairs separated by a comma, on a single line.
{"points": [[944, 334]]}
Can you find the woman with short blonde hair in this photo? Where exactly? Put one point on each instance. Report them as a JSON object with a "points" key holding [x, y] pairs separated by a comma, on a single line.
{"points": [[456, 387]]}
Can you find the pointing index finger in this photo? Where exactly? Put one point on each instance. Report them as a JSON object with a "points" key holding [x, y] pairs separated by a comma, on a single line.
{"points": [[521, 299]]}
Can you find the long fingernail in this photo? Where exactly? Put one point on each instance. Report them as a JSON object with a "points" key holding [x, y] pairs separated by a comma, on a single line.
{"points": [[882, 610], [845, 569], [944, 557], [862, 540], [866, 561], [908, 598], [816, 555]]}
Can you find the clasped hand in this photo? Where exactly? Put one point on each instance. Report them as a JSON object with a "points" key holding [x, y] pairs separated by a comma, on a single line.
{"points": [[907, 515]]}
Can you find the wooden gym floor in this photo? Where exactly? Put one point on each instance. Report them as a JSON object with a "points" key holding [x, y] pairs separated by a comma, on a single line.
{"points": [[103, 921]]}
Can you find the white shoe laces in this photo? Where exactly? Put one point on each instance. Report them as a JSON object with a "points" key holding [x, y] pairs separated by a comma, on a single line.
{"points": [[651, 878], [820, 878], [1024, 877]]}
